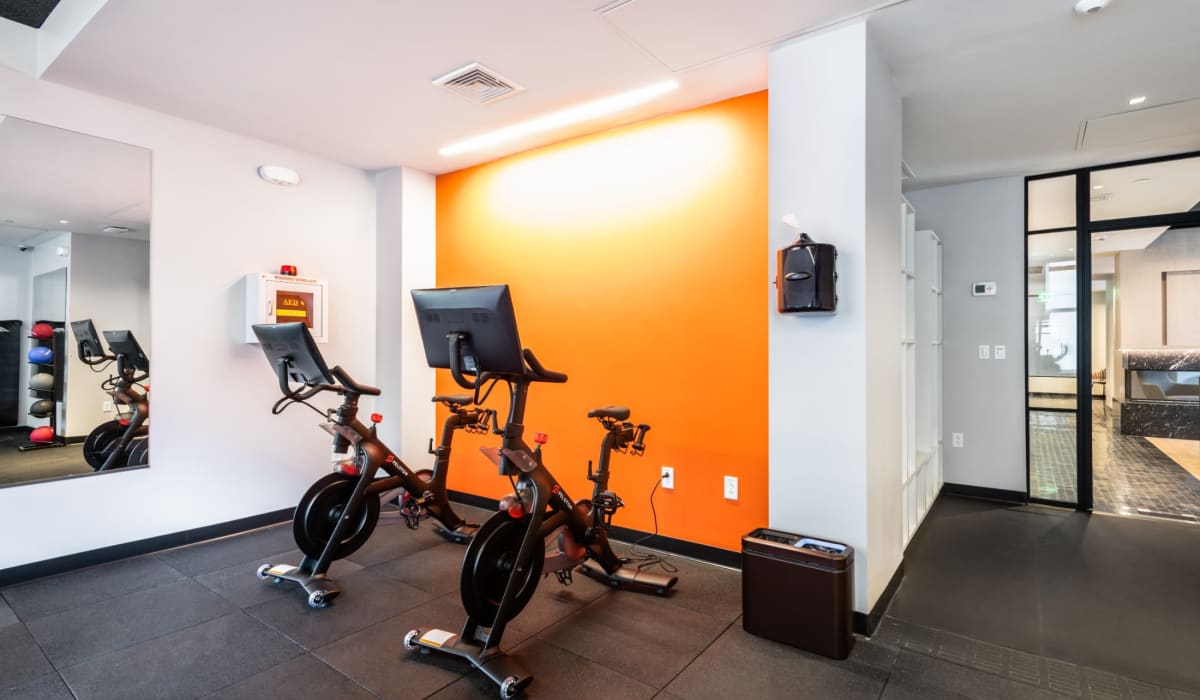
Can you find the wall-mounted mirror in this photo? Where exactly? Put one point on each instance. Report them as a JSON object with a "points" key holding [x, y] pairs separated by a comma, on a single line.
{"points": [[74, 303]]}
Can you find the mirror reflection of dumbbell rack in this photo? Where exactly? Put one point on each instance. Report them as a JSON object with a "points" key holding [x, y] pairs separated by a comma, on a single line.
{"points": [[56, 369]]}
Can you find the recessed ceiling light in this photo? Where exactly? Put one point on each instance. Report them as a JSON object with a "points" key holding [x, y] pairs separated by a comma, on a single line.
{"points": [[565, 117], [63, 221], [1142, 179], [1097, 187], [279, 175], [1133, 101]]}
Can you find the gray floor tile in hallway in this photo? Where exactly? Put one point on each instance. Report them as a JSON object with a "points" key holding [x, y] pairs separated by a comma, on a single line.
{"points": [[1130, 475]]}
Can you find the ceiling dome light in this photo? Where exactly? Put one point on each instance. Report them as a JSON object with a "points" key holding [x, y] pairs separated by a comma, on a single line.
{"points": [[279, 175], [1090, 7], [1133, 101]]}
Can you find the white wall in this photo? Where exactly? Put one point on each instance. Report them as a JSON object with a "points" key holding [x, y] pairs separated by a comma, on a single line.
{"points": [[406, 259], [884, 309], [110, 284], [1139, 284], [14, 284], [1138, 294], [834, 397], [43, 258], [217, 453], [980, 224]]}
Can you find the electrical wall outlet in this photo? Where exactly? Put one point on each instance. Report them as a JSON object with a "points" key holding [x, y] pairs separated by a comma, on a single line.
{"points": [[106, 406], [999, 352], [668, 477], [731, 488], [985, 352], [956, 439]]}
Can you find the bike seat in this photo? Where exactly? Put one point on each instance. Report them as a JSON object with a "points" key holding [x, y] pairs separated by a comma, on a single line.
{"points": [[454, 399], [614, 412]]}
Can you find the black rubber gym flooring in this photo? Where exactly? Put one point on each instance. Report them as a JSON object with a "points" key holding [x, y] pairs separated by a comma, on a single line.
{"points": [[998, 603]]}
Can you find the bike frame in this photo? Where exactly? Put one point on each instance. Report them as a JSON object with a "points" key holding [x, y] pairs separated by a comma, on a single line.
{"points": [[374, 456], [125, 394]]}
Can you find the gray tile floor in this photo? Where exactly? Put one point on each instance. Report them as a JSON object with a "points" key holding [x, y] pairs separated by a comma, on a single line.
{"points": [[1130, 475], [195, 622]]}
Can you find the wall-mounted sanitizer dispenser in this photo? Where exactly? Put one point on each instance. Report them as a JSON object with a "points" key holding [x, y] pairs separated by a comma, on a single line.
{"points": [[806, 277]]}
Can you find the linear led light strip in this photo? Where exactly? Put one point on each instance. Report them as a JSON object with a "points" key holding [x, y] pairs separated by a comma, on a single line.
{"points": [[556, 120]]}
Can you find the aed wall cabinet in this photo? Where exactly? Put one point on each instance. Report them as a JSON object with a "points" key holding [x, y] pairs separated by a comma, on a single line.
{"points": [[274, 298]]}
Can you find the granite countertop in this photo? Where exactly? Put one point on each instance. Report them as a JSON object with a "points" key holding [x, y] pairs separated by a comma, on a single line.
{"points": [[1167, 359]]}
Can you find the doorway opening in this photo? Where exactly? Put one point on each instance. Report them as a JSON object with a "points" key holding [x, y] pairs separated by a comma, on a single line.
{"points": [[1113, 338]]}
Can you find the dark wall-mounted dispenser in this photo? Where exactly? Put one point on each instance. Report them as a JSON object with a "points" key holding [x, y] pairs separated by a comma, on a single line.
{"points": [[806, 277]]}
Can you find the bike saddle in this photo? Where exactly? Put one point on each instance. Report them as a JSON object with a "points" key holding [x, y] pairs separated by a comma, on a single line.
{"points": [[453, 399], [614, 412]]}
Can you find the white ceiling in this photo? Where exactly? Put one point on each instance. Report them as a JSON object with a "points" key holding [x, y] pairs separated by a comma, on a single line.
{"points": [[990, 88], [351, 80], [48, 174], [1004, 87]]}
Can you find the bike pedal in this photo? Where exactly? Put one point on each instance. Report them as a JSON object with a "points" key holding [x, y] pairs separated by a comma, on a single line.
{"points": [[564, 576]]}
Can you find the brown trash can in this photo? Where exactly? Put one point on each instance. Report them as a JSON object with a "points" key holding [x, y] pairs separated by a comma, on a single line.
{"points": [[798, 590]]}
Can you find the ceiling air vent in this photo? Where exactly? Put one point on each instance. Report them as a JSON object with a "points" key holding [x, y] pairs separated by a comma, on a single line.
{"points": [[115, 229], [479, 84]]}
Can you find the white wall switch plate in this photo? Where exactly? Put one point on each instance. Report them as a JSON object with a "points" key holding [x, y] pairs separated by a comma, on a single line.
{"points": [[956, 439], [731, 488], [1000, 352], [668, 477], [106, 406], [985, 352]]}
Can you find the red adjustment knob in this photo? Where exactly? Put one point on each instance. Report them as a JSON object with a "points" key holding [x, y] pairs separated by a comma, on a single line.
{"points": [[146, 387], [376, 417], [348, 469], [541, 438], [516, 512], [123, 421]]}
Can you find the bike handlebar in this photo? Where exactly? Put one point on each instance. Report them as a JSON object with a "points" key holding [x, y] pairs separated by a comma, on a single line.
{"points": [[538, 373], [347, 381]]}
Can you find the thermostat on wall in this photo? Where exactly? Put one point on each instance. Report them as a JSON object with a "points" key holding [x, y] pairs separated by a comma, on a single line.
{"points": [[983, 289]]}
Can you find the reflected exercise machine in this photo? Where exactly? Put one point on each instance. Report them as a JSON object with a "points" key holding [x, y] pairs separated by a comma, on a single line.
{"points": [[123, 442]]}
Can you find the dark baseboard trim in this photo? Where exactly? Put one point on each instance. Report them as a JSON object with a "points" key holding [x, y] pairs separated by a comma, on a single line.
{"points": [[471, 499], [71, 562], [693, 550], [865, 624], [985, 494], [75, 440]]}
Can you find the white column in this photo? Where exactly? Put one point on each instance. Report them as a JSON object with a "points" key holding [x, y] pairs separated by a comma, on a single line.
{"points": [[406, 259], [834, 140]]}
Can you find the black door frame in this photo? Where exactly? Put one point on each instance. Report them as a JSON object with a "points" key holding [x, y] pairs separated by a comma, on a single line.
{"points": [[1084, 228]]}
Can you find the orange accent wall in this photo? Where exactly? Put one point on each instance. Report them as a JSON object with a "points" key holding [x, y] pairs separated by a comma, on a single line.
{"points": [[635, 258]]}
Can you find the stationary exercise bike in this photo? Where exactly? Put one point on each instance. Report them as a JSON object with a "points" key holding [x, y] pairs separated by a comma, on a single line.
{"points": [[472, 331], [339, 512], [123, 442]]}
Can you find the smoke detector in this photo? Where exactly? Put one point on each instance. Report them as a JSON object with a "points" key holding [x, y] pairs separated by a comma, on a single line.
{"points": [[479, 84], [1090, 7]]}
